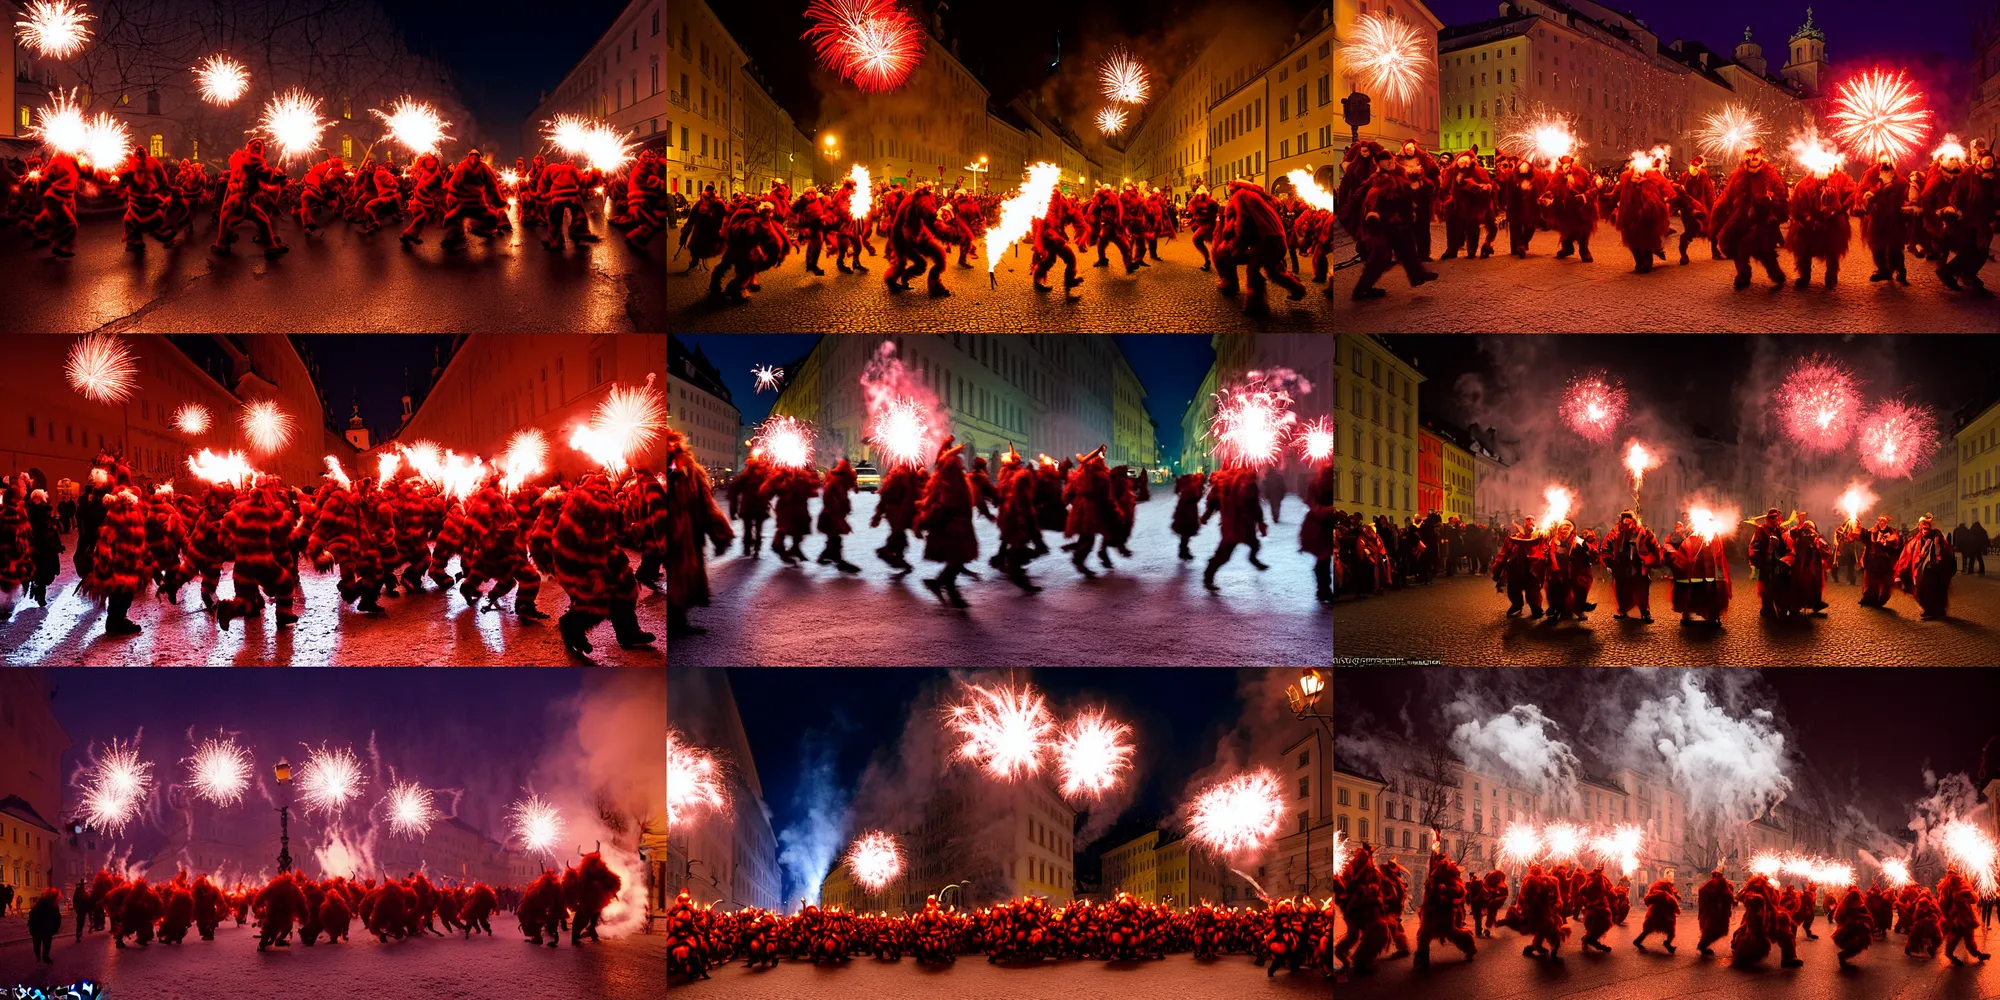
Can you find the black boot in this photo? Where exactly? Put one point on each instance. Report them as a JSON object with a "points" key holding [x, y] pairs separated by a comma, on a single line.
{"points": [[524, 606], [119, 623], [625, 623], [572, 627]]}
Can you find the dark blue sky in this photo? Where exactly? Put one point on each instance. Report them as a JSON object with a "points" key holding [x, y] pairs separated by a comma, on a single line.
{"points": [[1170, 366], [371, 365], [1177, 717], [1855, 31]]}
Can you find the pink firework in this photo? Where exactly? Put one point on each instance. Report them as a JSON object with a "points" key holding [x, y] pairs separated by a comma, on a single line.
{"points": [[330, 779], [905, 422], [694, 781], [411, 809], [1252, 421], [785, 441], [1593, 405], [874, 44], [767, 376], [1897, 439], [1876, 114], [219, 771], [1091, 754], [1818, 402], [875, 860], [1239, 815], [1315, 440], [537, 825], [1005, 731], [1639, 459], [114, 785]]}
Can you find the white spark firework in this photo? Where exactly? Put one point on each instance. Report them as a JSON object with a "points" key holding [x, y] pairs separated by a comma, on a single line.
{"points": [[267, 427], [1238, 815], [525, 458], [191, 418], [875, 860], [1005, 731], [629, 420], [411, 811], [414, 125], [1112, 120], [114, 786], [1091, 754], [102, 368], [537, 824], [222, 80], [1388, 56], [219, 771], [329, 779], [292, 123], [1123, 78], [53, 28]]}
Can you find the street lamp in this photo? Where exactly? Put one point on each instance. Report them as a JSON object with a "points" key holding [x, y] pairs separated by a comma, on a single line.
{"points": [[1304, 697], [282, 771]]}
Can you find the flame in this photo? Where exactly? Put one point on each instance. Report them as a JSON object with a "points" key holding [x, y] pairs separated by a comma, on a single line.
{"points": [[1815, 156], [231, 468], [336, 473], [1310, 191], [1559, 501], [1856, 499], [1017, 214], [863, 199]]}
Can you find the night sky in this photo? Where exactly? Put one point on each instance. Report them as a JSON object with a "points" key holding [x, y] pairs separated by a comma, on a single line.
{"points": [[1170, 366], [372, 364], [1177, 717], [1856, 32], [1700, 370], [1009, 46], [502, 54], [1880, 727]]}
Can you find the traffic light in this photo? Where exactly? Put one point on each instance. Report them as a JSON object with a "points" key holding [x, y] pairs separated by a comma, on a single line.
{"points": [[1354, 107]]}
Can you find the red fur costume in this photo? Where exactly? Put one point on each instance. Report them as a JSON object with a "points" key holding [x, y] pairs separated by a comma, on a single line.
{"points": [[593, 570], [1750, 217], [1234, 493], [1663, 910], [140, 910], [260, 530], [248, 173], [1959, 902], [1571, 197], [1819, 229], [1925, 925], [1853, 925], [1541, 914], [1522, 185], [833, 513], [1701, 578], [1643, 214], [1594, 899], [503, 556], [541, 911], [1714, 901], [1443, 912], [944, 518], [596, 886], [1887, 216], [1468, 193]]}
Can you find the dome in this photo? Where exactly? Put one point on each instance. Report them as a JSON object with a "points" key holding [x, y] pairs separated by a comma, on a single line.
{"points": [[1807, 30]]}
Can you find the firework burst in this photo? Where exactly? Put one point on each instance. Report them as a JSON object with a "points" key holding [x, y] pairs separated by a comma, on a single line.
{"points": [[1897, 871], [1238, 815], [102, 368], [1897, 439], [1727, 132], [1593, 405], [901, 433], [267, 427], [53, 28], [1017, 215], [114, 786], [1542, 135], [222, 80], [191, 418], [1123, 78], [411, 809], [1520, 844], [1252, 422], [335, 472], [1388, 56], [875, 860], [628, 421], [1091, 754], [1813, 155], [1112, 120], [1856, 499], [414, 125], [596, 142], [1639, 459], [1315, 440], [1818, 402], [873, 44], [329, 779], [228, 467], [1005, 731], [694, 781], [219, 771], [292, 123], [1877, 114], [785, 441], [537, 824], [767, 376], [525, 458]]}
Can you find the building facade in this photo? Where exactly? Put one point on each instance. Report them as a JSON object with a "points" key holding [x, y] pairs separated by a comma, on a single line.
{"points": [[1374, 459], [1983, 117], [32, 743], [993, 846], [1934, 490], [621, 80], [1042, 393], [1430, 472], [730, 861], [700, 408], [704, 117], [494, 385], [1978, 469], [1132, 868], [1460, 476], [1309, 356], [1621, 86]]}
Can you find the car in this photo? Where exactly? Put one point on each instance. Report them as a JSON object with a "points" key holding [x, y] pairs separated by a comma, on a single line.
{"points": [[867, 477]]}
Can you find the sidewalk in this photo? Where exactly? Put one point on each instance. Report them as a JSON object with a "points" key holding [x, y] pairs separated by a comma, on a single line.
{"points": [[14, 929]]}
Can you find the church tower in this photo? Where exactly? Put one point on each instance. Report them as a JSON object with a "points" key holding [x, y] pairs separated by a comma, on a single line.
{"points": [[1806, 65], [357, 430], [1749, 54]]}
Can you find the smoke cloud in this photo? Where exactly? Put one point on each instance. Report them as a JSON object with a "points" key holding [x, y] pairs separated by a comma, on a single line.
{"points": [[807, 847], [1729, 767], [1520, 744]]}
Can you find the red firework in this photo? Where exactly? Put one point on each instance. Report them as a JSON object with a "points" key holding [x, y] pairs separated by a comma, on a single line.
{"points": [[1593, 405], [1897, 439], [874, 44], [1818, 402]]}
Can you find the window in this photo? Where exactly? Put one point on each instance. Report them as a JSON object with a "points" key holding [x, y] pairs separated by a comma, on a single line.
{"points": [[1305, 786], [1339, 794], [1364, 800], [157, 145], [1305, 759], [1302, 822]]}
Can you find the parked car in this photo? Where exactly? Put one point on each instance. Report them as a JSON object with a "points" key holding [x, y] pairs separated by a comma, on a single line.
{"points": [[867, 477]]}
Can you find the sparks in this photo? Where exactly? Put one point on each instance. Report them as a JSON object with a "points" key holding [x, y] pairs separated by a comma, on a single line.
{"points": [[1813, 155], [267, 427], [53, 28], [1388, 56], [1315, 440], [222, 80], [1309, 190], [1112, 120], [1558, 502], [414, 125], [1091, 754], [1818, 402], [1593, 405], [537, 825], [863, 199], [1706, 522], [1948, 149], [873, 44], [786, 441], [102, 368], [1876, 114], [1018, 213], [1238, 815], [411, 812], [1564, 840], [1251, 423], [1857, 499], [114, 786], [426, 460], [1005, 731], [219, 771], [1543, 136], [1897, 871], [1766, 864], [385, 466], [292, 123], [596, 142], [875, 860], [1339, 851], [191, 418], [1520, 844], [1974, 852], [1897, 439], [1728, 132], [460, 475], [1123, 78], [1638, 459], [229, 467], [336, 473], [1644, 161], [329, 779], [901, 433], [105, 141], [694, 781], [628, 421], [60, 124], [767, 376], [525, 458]]}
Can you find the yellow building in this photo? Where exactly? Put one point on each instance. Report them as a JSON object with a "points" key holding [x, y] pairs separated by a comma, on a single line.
{"points": [[774, 150], [1131, 427], [31, 781], [1978, 471], [1133, 868], [704, 117], [1374, 396], [1183, 876], [1306, 111], [1391, 123], [1309, 355], [1460, 480], [1356, 800]]}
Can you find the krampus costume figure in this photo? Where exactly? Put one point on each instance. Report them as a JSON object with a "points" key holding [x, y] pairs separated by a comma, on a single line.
{"points": [[1882, 200], [1631, 552], [1233, 493], [1521, 568], [44, 920], [503, 556], [1124, 507], [1811, 557], [55, 224], [1750, 217], [166, 541], [1257, 243], [209, 545], [147, 188], [934, 941], [749, 500], [1091, 511], [790, 490], [1765, 923], [593, 570], [1882, 548], [596, 886], [1443, 912], [1642, 211], [916, 242], [241, 201], [45, 545], [1468, 191], [1925, 926], [1569, 575], [1694, 201], [122, 565], [833, 937], [1187, 509], [1391, 221], [1663, 909], [833, 512], [1975, 199], [1925, 568], [210, 907], [480, 903], [541, 913], [1714, 901], [17, 544], [177, 910], [1701, 578], [1316, 531], [1571, 198], [944, 518], [138, 911], [1491, 899], [1959, 902], [342, 534], [1541, 913], [260, 528], [1051, 242], [1881, 908], [1853, 925], [757, 242], [1020, 531], [1819, 229], [896, 502]]}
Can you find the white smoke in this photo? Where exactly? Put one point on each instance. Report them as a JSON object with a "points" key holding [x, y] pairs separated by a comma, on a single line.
{"points": [[1520, 743], [808, 846], [1951, 797], [1729, 768]]}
